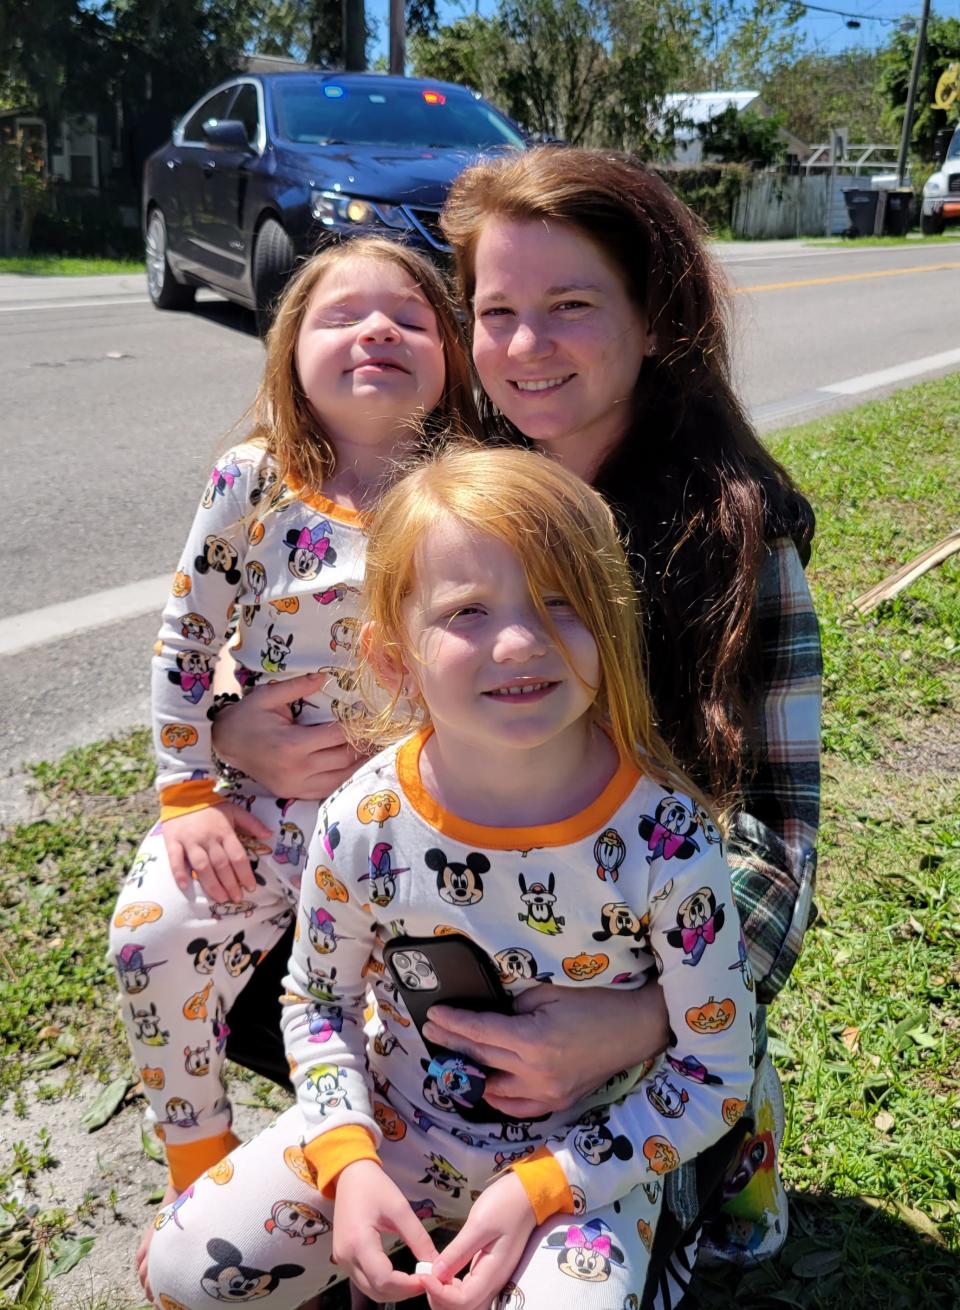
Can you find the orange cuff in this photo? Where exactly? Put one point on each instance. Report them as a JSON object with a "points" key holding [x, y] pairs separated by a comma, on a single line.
{"points": [[188, 1160], [330, 1153], [545, 1184], [187, 797]]}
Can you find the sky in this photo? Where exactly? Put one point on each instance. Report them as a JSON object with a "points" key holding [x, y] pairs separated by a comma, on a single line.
{"points": [[825, 30]]}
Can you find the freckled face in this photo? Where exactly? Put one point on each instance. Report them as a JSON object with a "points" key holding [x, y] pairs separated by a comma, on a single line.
{"points": [[558, 344]]}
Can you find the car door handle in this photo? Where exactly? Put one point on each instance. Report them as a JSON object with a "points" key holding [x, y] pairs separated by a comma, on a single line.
{"points": [[173, 163], [209, 168]]}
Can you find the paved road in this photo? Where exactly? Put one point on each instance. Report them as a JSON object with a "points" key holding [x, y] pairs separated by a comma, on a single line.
{"points": [[114, 411]]}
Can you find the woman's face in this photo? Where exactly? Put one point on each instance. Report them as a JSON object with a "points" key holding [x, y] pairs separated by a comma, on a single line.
{"points": [[557, 343]]}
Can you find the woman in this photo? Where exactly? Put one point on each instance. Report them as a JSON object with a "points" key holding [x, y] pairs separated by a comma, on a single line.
{"points": [[598, 336]]}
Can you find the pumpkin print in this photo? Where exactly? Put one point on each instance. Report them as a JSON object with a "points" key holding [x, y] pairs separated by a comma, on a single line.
{"points": [[152, 1077], [732, 1110], [379, 807], [331, 886], [712, 1017], [583, 967], [256, 533], [646, 1233], [168, 1303], [389, 1122], [296, 1162], [137, 913], [661, 1154], [286, 605], [177, 736], [221, 1172], [181, 584]]}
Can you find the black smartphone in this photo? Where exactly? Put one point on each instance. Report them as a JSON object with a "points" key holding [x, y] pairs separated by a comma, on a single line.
{"points": [[448, 970]]}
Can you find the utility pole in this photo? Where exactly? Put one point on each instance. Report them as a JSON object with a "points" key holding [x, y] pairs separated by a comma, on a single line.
{"points": [[908, 112], [354, 36], [398, 37]]}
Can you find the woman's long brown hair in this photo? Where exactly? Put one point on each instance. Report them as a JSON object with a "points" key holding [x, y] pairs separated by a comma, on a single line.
{"points": [[691, 482]]}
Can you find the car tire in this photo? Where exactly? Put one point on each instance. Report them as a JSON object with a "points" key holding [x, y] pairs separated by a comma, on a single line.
{"points": [[273, 260], [162, 287], [931, 225]]}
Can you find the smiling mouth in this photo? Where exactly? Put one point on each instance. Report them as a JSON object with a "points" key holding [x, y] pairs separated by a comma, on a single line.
{"points": [[540, 384], [521, 690], [381, 365]]}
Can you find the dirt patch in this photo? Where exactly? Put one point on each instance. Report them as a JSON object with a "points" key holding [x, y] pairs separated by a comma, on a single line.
{"points": [[108, 1167], [929, 747]]}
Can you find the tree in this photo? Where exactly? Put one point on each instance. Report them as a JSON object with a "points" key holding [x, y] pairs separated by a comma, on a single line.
{"points": [[743, 40], [818, 91], [588, 73], [942, 48], [742, 138]]}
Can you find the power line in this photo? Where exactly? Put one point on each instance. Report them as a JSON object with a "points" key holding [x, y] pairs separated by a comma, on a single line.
{"points": [[846, 13]]}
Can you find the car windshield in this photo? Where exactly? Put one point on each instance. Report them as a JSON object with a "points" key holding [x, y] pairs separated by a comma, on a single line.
{"points": [[326, 113], [954, 149]]}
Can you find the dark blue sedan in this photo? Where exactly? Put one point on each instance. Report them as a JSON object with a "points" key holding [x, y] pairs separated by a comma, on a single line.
{"points": [[268, 166]]}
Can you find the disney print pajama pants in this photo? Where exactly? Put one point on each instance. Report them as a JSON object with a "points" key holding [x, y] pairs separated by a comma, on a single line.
{"points": [[182, 961], [254, 1226]]}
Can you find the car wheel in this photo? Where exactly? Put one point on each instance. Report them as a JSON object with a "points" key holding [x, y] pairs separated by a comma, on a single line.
{"points": [[163, 288], [931, 225], [273, 260]]}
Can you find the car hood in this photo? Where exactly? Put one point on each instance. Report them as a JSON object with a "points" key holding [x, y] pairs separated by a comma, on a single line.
{"points": [[413, 175]]}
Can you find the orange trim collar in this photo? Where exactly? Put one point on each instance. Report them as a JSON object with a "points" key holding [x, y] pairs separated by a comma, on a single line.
{"points": [[593, 819], [340, 513]]}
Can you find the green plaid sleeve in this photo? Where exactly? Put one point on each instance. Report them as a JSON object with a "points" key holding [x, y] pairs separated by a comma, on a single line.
{"points": [[772, 847]]}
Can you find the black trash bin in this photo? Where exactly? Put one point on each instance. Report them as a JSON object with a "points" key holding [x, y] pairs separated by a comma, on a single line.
{"points": [[898, 218], [862, 208]]}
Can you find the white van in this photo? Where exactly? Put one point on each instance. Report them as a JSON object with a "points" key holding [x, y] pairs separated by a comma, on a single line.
{"points": [[941, 192]]}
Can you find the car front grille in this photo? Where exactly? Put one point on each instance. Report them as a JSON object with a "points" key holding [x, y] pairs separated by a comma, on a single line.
{"points": [[427, 222], [954, 182]]}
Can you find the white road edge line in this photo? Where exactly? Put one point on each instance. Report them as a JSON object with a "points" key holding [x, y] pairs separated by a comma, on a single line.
{"points": [[899, 373], [72, 304], [61, 622]]}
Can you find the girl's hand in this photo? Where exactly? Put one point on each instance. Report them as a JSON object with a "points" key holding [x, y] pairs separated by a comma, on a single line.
{"points": [[562, 1042], [260, 736], [491, 1241], [206, 843], [369, 1203]]}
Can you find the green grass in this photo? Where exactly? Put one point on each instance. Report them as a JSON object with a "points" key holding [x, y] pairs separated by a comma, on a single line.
{"points": [[67, 266], [949, 237], [867, 1034]]}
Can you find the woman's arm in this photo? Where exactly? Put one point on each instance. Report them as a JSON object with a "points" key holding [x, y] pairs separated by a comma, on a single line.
{"points": [[260, 736], [772, 847], [561, 1044]]}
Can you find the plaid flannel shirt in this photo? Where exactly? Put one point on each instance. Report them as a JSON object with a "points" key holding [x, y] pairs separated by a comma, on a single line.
{"points": [[772, 848]]}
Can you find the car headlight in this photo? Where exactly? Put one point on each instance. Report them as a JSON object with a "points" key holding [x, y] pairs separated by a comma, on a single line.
{"points": [[935, 185], [333, 209]]}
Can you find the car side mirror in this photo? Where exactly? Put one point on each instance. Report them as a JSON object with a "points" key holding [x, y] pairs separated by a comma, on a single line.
{"points": [[226, 132]]}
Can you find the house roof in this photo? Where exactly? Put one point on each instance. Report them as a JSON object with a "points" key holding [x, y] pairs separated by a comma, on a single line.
{"points": [[698, 107]]}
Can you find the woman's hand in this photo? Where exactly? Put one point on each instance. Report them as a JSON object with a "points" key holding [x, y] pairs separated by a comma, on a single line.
{"points": [[260, 736], [491, 1241], [561, 1043], [369, 1203], [205, 842]]}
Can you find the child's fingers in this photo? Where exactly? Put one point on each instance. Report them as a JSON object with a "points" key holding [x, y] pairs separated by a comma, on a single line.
{"points": [[178, 865], [213, 870], [415, 1236], [249, 823], [458, 1253], [237, 856], [277, 695], [444, 1296]]}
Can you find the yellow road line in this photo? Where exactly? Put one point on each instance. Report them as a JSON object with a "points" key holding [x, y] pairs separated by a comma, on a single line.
{"points": [[846, 277]]}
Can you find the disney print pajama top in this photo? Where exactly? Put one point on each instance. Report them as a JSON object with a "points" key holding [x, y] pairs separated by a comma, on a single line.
{"points": [[287, 584], [636, 885]]}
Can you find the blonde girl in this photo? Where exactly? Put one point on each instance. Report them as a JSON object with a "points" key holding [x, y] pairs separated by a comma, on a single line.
{"points": [[364, 363], [535, 810]]}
